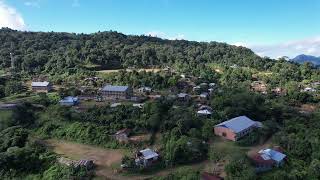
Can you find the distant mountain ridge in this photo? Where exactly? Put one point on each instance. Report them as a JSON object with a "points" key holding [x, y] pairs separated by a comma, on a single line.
{"points": [[307, 58]]}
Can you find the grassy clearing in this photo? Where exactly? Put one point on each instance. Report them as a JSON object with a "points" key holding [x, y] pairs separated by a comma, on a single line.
{"points": [[25, 97], [5, 116]]}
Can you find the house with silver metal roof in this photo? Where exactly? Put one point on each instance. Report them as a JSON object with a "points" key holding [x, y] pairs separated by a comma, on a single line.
{"points": [[116, 92], [69, 101], [146, 157], [41, 86], [236, 128]]}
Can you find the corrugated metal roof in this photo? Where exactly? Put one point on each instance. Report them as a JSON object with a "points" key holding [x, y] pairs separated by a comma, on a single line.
{"points": [[205, 112], [148, 153], [69, 99], [238, 124], [182, 95], [40, 84], [272, 154], [115, 88]]}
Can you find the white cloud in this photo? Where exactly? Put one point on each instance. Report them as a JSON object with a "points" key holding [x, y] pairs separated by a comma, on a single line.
{"points": [[163, 35], [9, 17], [32, 4], [310, 46]]}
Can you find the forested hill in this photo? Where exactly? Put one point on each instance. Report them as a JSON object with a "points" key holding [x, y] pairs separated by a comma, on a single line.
{"points": [[56, 52]]}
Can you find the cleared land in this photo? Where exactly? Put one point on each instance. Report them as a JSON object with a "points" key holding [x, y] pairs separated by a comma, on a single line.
{"points": [[107, 160], [103, 158]]}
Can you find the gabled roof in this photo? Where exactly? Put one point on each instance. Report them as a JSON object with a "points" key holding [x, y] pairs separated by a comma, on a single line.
{"points": [[182, 95], [212, 84], [205, 112], [115, 88], [238, 124], [146, 88], [204, 94], [268, 154], [205, 107], [69, 99], [148, 153], [40, 84]]}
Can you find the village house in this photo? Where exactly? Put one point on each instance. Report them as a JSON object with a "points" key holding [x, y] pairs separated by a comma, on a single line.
{"points": [[309, 89], [204, 86], [196, 89], [41, 86], [204, 113], [183, 97], [205, 107], [69, 101], [259, 86], [212, 85], [145, 90], [8, 106], [122, 135], [266, 159], [236, 128], [117, 92], [138, 105], [146, 157], [204, 96]]}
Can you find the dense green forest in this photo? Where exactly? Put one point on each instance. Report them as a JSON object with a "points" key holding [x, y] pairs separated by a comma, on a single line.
{"points": [[59, 52]]}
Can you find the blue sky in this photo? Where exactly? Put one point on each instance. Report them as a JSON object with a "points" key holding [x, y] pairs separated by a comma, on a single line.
{"points": [[270, 27]]}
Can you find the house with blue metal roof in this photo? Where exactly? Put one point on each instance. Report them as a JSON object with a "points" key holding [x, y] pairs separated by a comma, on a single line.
{"points": [[266, 159], [116, 92], [69, 101], [236, 128]]}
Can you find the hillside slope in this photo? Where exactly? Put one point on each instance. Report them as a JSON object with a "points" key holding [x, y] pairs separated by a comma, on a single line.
{"points": [[307, 58], [57, 52]]}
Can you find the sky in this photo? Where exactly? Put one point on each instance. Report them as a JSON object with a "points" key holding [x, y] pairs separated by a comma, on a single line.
{"points": [[271, 28]]}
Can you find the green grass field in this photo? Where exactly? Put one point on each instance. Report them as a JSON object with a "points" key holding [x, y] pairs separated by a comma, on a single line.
{"points": [[5, 116]]}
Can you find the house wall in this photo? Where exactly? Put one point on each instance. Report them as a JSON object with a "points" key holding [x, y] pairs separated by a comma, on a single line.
{"points": [[118, 94], [225, 132], [41, 89]]}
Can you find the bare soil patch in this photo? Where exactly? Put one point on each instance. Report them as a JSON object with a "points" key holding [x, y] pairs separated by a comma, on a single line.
{"points": [[103, 158]]}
